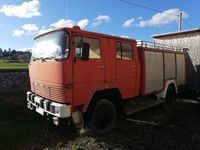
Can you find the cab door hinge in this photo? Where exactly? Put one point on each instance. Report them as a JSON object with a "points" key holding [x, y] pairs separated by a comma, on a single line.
{"points": [[69, 86]]}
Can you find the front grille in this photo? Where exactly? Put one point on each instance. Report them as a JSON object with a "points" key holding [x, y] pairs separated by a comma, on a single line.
{"points": [[32, 98], [56, 93]]}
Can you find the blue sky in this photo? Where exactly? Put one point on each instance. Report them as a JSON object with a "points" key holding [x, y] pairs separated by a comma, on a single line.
{"points": [[21, 20]]}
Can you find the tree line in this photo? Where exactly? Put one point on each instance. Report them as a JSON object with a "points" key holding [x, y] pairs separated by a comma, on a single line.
{"points": [[15, 55]]}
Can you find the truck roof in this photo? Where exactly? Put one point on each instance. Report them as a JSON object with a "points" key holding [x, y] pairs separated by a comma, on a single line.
{"points": [[77, 28]]}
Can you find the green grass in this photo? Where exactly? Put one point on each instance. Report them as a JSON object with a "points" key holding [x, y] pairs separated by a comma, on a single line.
{"points": [[5, 64]]}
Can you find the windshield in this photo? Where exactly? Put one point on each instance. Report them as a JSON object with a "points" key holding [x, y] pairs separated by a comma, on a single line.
{"points": [[53, 45]]}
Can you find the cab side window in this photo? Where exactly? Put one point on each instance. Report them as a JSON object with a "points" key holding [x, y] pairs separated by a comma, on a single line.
{"points": [[78, 45], [94, 44], [124, 50]]}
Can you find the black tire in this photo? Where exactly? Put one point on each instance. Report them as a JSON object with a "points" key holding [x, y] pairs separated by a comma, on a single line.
{"points": [[103, 117], [170, 98]]}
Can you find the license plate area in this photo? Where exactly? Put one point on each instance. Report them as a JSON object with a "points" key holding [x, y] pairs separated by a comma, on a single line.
{"points": [[40, 111]]}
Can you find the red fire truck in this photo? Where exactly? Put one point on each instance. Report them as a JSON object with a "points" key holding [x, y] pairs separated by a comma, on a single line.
{"points": [[91, 78]]}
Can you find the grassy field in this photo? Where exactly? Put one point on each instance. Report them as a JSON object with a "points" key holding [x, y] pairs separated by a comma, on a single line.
{"points": [[5, 64]]}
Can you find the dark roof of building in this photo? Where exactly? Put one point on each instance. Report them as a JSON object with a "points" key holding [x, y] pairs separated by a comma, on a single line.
{"points": [[176, 33]]}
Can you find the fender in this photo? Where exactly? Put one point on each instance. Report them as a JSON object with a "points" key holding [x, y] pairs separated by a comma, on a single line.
{"points": [[101, 93], [163, 93]]}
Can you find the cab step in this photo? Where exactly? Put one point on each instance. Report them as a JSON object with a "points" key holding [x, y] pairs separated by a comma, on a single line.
{"points": [[139, 104]]}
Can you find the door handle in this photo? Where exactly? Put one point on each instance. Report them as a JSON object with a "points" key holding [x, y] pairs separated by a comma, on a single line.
{"points": [[100, 67], [133, 66]]}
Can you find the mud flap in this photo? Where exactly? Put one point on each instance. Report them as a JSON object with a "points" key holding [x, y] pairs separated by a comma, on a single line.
{"points": [[77, 118]]}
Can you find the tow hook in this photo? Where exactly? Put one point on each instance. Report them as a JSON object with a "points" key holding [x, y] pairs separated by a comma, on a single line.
{"points": [[56, 121]]}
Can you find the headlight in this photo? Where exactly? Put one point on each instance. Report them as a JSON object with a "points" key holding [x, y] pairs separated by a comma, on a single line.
{"points": [[56, 110]]}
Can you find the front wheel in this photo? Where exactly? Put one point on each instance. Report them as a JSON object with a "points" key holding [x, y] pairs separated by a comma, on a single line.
{"points": [[103, 117]]}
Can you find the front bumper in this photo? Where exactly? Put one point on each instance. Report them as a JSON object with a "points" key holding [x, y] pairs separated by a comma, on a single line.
{"points": [[46, 107]]}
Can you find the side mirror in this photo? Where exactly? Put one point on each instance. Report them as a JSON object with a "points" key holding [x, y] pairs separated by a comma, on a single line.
{"points": [[85, 51]]}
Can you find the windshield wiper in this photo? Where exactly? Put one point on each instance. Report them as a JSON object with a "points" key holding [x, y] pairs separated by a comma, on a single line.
{"points": [[34, 58], [44, 58], [49, 58], [40, 58], [52, 58]]}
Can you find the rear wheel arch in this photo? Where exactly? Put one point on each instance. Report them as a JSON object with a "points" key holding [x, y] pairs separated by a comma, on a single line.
{"points": [[170, 97], [168, 83], [171, 86]]}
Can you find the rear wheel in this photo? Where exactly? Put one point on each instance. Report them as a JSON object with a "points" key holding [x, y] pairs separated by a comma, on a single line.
{"points": [[170, 98], [103, 117]]}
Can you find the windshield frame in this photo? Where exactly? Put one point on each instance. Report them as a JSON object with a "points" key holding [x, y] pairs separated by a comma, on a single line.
{"points": [[65, 50]]}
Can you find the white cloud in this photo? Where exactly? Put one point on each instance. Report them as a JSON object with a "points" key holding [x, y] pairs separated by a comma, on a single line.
{"points": [[70, 23], [101, 19], [30, 28], [18, 33], [128, 23], [125, 36], [27, 29], [140, 18], [25, 10], [83, 23], [63, 23], [163, 18]]}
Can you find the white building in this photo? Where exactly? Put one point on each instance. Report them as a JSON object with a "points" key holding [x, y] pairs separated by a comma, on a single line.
{"points": [[185, 39]]}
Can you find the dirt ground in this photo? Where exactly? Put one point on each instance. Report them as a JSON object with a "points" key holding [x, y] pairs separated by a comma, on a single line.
{"points": [[152, 129]]}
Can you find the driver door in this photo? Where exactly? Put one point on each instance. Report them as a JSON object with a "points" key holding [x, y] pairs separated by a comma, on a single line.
{"points": [[87, 72]]}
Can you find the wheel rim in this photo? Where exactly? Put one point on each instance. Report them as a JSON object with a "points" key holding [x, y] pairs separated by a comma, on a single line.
{"points": [[104, 117], [170, 98]]}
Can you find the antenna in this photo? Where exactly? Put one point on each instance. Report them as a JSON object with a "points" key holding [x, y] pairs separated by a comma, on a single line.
{"points": [[180, 21], [67, 9]]}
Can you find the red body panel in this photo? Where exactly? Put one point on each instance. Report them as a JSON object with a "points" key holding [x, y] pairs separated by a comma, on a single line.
{"points": [[77, 80], [142, 61], [50, 79], [126, 74], [47, 71]]}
